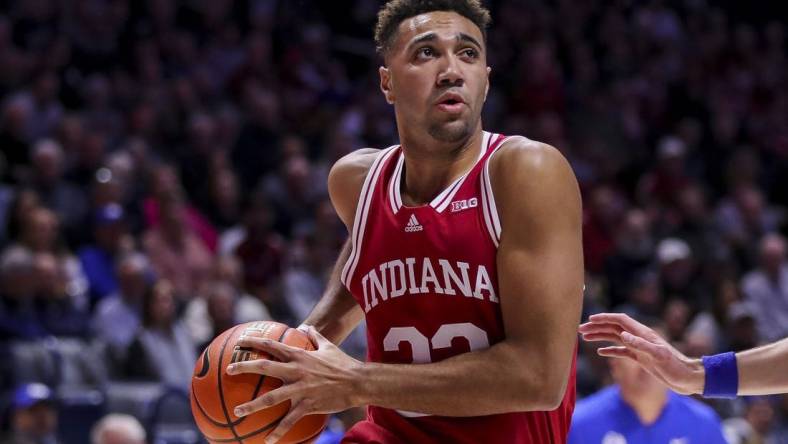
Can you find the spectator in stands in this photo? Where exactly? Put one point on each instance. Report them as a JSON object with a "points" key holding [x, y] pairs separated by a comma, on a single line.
{"points": [[261, 251], [165, 183], [117, 317], [223, 205], [25, 201], [18, 318], [175, 251], [162, 349], [34, 416], [111, 240], [62, 197], [117, 428], [633, 254], [221, 307], [640, 409], [292, 193], [61, 313], [227, 278], [305, 278], [766, 289]]}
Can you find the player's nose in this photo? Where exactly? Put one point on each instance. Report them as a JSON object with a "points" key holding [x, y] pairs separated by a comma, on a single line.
{"points": [[450, 73]]}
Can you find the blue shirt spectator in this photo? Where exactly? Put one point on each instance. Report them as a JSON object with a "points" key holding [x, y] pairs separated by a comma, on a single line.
{"points": [[98, 260], [605, 418]]}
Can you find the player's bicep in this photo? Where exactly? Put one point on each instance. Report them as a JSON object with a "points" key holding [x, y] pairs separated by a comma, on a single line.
{"points": [[540, 258]]}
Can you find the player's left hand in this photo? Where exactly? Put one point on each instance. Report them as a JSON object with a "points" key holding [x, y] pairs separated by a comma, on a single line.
{"points": [[321, 381]]}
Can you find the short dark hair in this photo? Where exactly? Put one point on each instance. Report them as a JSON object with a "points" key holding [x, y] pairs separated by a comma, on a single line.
{"points": [[395, 11]]}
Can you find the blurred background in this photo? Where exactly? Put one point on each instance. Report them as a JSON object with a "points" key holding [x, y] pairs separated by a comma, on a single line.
{"points": [[163, 177]]}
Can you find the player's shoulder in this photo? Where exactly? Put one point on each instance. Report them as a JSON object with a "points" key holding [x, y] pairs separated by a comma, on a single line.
{"points": [[526, 157], [346, 178], [525, 172], [358, 161], [595, 406], [696, 409]]}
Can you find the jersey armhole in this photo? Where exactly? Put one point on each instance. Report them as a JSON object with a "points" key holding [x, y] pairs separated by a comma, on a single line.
{"points": [[362, 211], [491, 218]]}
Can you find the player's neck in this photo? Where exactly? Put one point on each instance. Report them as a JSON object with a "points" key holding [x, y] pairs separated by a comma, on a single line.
{"points": [[428, 170], [649, 406]]}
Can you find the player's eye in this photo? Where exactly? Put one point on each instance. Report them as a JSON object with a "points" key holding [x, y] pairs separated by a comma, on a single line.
{"points": [[470, 53], [425, 52]]}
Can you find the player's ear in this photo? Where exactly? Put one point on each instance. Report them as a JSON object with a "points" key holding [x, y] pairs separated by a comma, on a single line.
{"points": [[385, 84]]}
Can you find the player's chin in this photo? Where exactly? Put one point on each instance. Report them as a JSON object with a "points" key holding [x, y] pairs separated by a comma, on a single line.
{"points": [[454, 130]]}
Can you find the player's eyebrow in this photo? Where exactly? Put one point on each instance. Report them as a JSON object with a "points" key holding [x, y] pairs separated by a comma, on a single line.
{"points": [[463, 37], [431, 37]]}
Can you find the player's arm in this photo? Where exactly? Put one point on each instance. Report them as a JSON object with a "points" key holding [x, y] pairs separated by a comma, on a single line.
{"points": [[761, 371], [540, 272], [337, 313]]}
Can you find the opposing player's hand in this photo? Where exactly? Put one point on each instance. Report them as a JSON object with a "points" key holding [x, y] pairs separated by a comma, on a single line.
{"points": [[643, 345], [319, 381]]}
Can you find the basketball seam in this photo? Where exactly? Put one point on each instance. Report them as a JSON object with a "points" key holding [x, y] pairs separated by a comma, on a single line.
{"points": [[221, 393]]}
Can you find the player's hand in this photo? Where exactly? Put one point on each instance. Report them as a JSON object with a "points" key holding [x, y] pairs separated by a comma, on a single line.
{"points": [[643, 345], [320, 381]]}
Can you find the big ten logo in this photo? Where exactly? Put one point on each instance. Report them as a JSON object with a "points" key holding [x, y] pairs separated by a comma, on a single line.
{"points": [[464, 204]]}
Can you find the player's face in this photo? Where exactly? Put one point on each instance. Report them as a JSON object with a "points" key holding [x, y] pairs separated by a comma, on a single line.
{"points": [[437, 75]]}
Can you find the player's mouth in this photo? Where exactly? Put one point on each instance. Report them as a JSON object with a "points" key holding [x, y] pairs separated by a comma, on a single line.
{"points": [[450, 103]]}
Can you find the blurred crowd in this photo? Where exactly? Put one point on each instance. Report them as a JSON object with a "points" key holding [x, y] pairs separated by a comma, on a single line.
{"points": [[163, 173]]}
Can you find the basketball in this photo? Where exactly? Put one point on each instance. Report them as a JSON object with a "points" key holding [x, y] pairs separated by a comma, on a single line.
{"points": [[215, 394]]}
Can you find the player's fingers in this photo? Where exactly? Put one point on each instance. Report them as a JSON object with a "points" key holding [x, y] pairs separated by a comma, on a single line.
{"points": [[266, 400], [283, 352], [601, 337], [317, 339], [285, 424], [624, 321], [262, 367], [602, 328], [658, 352], [617, 351]]}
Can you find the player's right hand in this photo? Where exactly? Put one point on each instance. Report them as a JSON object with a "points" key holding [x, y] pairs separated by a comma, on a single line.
{"points": [[643, 345]]}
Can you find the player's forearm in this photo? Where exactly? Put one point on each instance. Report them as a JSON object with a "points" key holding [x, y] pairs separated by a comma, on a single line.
{"points": [[337, 313], [496, 380], [763, 370]]}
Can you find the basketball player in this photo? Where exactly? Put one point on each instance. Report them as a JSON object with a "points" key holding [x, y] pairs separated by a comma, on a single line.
{"points": [[759, 371], [465, 258]]}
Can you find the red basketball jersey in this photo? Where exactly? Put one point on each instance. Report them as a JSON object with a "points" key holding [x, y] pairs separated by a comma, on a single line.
{"points": [[426, 278]]}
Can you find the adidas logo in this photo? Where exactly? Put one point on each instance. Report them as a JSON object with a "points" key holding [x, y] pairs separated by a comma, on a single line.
{"points": [[413, 225]]}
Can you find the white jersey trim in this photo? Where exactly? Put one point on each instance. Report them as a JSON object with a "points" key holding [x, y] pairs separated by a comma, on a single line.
{"points": [[362, 211], [442, 200], [489, 208]]}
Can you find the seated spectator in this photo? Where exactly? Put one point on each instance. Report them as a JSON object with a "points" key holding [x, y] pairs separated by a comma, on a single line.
{"points": [[18, 319], [40, 233], [166, 182], [221, 308], [227, 278], [117, 428], [56, 308], [175, 251], [261, 250], [640, 409], [162, 349], [111, 239], [118, 317], [33, 416], [766, 288], [57, 194]]}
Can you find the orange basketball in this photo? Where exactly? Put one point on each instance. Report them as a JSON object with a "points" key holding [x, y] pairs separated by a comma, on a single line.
{"points": [[215, 394]]}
